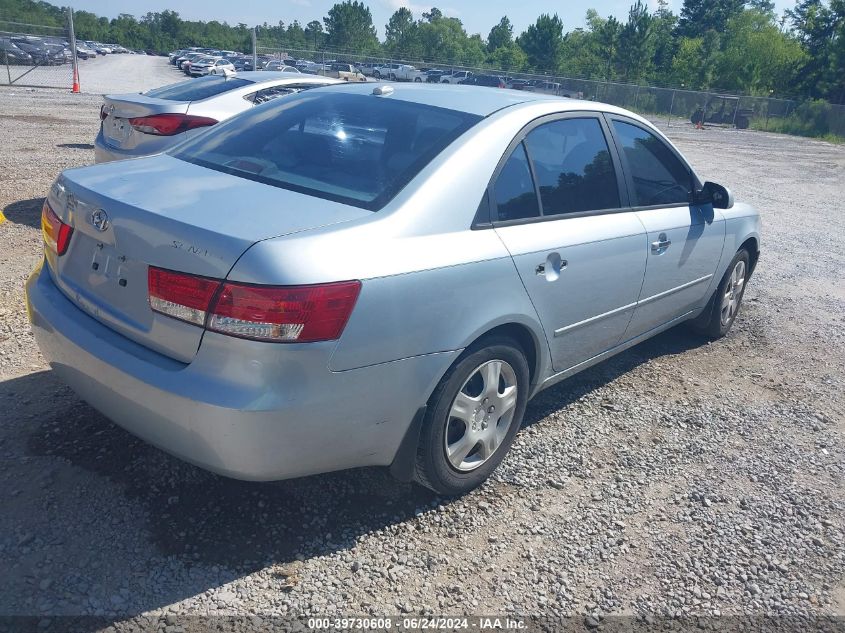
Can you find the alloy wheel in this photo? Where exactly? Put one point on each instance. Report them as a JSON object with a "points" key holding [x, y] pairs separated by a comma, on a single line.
{"points": [[733, 293], [480, 416]]}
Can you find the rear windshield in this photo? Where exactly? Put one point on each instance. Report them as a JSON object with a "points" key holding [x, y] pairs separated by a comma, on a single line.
{"points": [[352, 148], [197, 89]]}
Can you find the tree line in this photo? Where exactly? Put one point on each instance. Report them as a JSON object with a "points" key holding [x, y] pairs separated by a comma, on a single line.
{"points": [[733, 45]]}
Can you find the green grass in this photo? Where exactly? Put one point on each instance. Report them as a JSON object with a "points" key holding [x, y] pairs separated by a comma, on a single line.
{"points": [[795, 127]]}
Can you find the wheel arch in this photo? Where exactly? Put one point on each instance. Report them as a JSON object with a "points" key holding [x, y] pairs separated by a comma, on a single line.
{"points": [[532, 345], [752, 245]]}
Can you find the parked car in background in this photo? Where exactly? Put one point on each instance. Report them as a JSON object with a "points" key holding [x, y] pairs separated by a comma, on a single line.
{"points": [[83, 52], [367, 68], [492, 81], [280, 66], [456, 77], [520, 84], [41, 53], [344, 72], [185, 65], [10, 53], [384, 71], [434, 75], [309, 287], [135, 125], [549, 87], [212, 66], [405, 72]]}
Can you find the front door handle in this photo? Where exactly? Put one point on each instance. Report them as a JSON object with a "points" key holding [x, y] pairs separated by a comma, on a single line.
{"points": [[662, 243]]}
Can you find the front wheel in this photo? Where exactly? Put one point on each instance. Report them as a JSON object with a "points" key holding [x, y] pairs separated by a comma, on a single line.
{"points": [[723, 307], [417, 80], [472, 417]]}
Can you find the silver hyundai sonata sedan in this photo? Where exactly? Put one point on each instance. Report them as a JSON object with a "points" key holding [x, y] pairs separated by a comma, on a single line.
{"points": [[356, 276]]}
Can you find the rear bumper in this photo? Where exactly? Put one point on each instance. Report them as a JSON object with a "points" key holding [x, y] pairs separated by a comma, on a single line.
{"points": [[104, 153], [243, 409]]}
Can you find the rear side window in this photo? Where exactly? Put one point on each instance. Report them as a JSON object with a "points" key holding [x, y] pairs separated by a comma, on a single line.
{"points": [[659, 176], [573, 167], [268, 94], [197, 89], [352, 148], [514, 193]]}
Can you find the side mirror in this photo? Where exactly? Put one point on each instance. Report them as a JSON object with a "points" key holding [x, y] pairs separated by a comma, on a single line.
{"points": [[720, 197]]}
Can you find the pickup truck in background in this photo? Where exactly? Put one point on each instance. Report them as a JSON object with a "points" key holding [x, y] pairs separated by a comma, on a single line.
{"points": [[456, 77], [344, 72]]}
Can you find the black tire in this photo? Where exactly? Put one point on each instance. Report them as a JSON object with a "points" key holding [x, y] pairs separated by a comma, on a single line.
{"points": [[433, 468], [710, 322], [417, 80], [377, 74]]}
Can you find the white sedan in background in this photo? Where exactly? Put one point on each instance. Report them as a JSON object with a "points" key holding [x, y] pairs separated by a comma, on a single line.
{"points": [[211, 66], [136, 125]]}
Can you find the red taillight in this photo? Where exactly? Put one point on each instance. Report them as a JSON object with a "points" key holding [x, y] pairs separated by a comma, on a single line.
{"points": [[282, 314], [56, 233], [169, 124], [181, 296]]}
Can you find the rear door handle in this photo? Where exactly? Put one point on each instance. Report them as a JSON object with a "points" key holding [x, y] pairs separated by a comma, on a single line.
{"points": [[662, 243], [552, 267]]}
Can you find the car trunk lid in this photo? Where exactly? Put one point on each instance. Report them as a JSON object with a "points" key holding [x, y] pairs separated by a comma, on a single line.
{"points": [[118, 109], [164, 212]]}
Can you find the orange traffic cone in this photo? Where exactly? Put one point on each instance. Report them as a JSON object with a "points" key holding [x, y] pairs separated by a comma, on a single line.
{"points": [[75, 88]]}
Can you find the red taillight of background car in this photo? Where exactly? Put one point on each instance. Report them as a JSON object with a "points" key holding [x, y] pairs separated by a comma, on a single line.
{"points": [[56, 233], [179, 295], [281, 314], [169, 124]]}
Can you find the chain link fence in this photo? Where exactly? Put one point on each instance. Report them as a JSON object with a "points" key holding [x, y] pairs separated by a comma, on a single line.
{"points": [[33, 55], [667, 106]]}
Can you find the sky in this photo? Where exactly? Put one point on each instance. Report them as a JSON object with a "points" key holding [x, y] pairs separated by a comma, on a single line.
{"points": [[478, 16]]}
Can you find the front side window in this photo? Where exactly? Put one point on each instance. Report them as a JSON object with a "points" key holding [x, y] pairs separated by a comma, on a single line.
{"points": [[513, 193], [351, 148], [659, 175], [573, 167]]}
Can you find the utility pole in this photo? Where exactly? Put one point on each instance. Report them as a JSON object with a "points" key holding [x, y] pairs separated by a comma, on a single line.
{"points": [[254, 49], [74, 61]]}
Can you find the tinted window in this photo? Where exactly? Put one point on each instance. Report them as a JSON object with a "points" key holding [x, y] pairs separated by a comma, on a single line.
{"points": [[573, 167], [659, 176], [197, 89], [353, 148], [268, 94], [514, 193]]}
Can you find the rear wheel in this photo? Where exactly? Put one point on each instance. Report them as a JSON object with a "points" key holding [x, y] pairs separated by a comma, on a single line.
{"points": [[472, 417], [417, 80], [723, 307]]}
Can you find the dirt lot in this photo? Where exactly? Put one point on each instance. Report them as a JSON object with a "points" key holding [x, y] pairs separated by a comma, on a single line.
{"points": [[678, 478]]}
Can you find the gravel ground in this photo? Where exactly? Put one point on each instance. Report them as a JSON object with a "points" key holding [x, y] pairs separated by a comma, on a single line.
{"points": [[679, 478]]}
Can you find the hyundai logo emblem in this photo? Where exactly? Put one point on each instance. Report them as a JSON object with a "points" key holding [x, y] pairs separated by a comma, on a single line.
{"points": [[100, 220]]}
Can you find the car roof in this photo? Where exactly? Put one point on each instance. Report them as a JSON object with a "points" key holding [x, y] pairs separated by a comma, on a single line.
{"points": [[477, 100], [263, 76]]}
